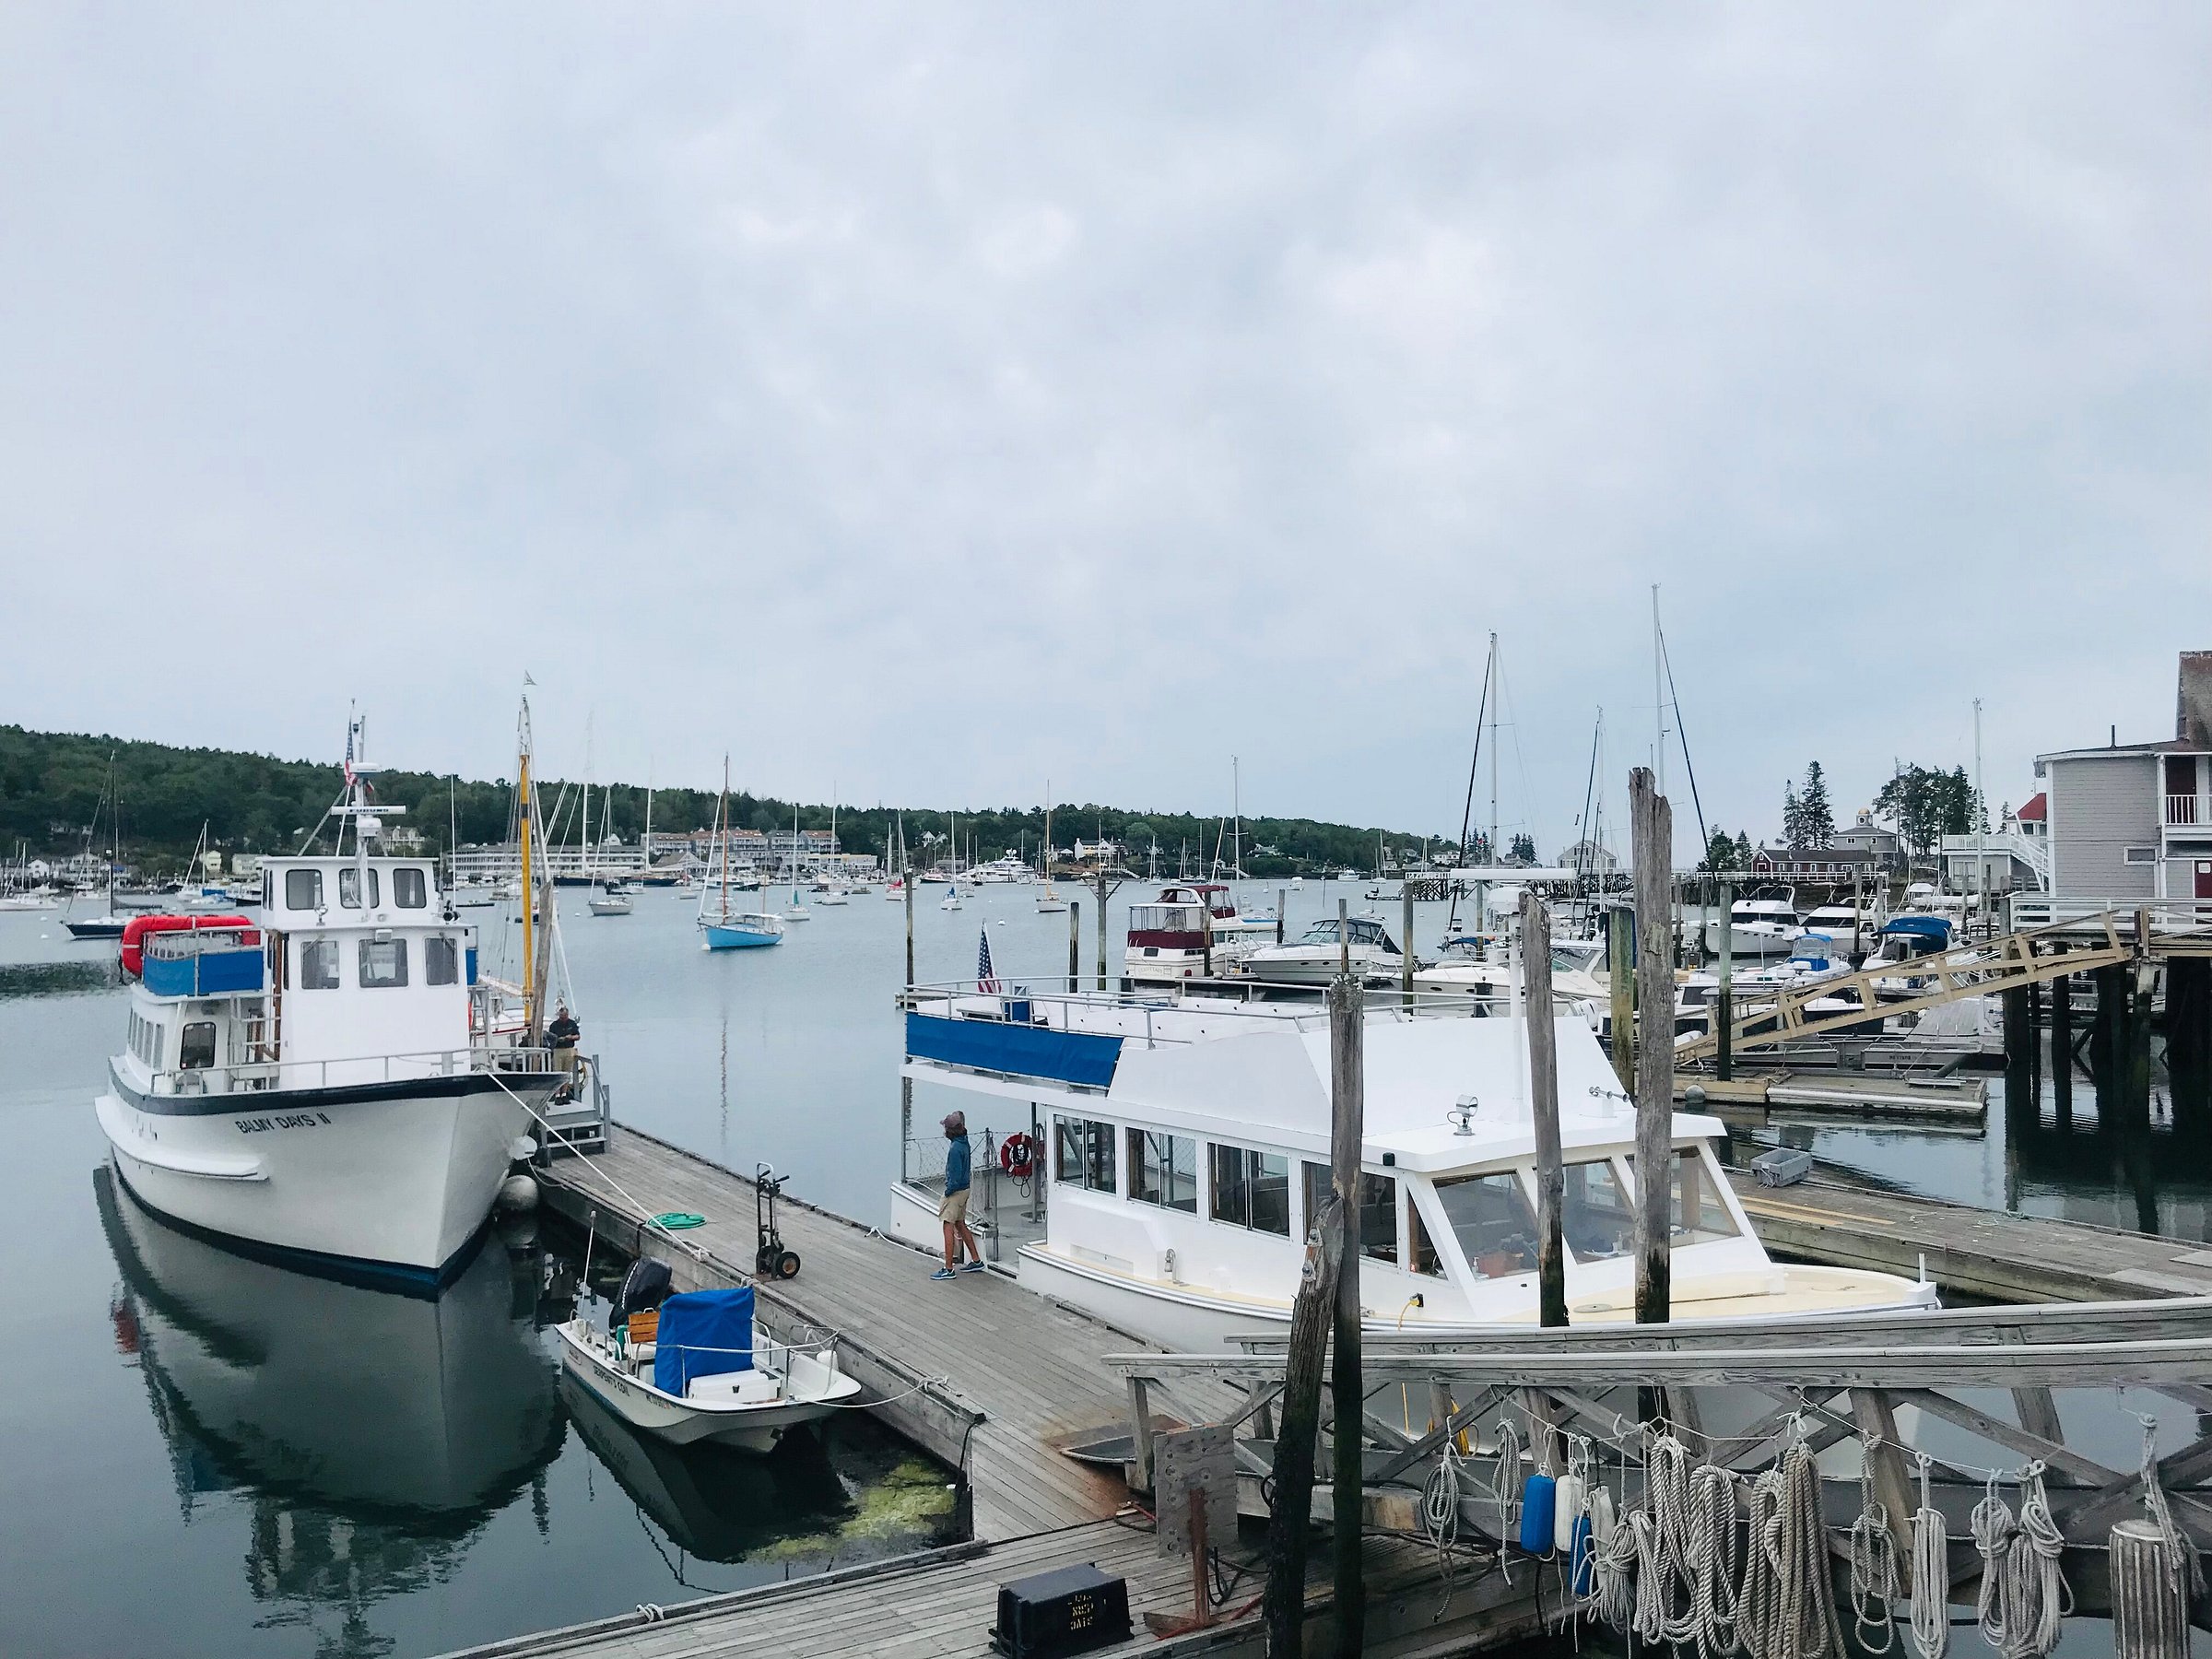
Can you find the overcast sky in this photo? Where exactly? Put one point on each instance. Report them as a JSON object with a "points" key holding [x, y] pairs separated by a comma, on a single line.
{"points": [[930, 400]]}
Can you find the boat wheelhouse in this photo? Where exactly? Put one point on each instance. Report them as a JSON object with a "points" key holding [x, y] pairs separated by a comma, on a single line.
{"points": [[1763, 926], [1192, 931], [331, 1083], [1185, 1147]]}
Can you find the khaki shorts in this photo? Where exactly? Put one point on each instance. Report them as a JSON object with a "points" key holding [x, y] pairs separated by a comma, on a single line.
{"points": [[953, 1207]]}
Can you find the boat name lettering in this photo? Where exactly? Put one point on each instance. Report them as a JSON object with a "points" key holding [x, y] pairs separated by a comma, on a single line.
{"points": [[294, 1120]]}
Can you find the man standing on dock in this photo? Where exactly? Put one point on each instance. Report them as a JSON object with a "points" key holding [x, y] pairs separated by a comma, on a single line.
{"points": [[952, 1209]]}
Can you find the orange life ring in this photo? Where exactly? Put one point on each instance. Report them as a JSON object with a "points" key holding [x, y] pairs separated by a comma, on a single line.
{"points": [[1018, 1154]]}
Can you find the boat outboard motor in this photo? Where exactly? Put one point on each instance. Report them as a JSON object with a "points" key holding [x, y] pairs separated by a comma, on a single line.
{"points": [[644, 1287]]}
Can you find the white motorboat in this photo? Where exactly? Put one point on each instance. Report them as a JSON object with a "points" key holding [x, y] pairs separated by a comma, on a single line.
{"points": [[31, 898], [1317, 956], [1755, 927], [704, 1375], [1846, 926], [1187, 1143], [1191, 929], [1903, 941], [301, 1086]]}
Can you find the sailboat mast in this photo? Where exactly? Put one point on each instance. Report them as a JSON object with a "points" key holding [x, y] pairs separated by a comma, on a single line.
{"points": [[1493, 859], [1236, 806], [721, 817], [524, 816]]}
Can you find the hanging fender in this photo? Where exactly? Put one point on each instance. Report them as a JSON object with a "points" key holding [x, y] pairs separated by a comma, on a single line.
{"points": [[1536, 1498], [1569, 1505]]}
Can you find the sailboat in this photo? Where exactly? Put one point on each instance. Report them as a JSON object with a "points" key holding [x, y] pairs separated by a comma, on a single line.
{"points": [[111, 925], [611, 895], [728, 929], [1049, 903], [831, 888], [796, 911], [896, 892]]}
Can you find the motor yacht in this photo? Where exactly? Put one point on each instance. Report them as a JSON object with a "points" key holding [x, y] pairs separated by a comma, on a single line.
{"points": [[1755, 927], [1185, 1153], [1318, 955], [1191, 929]]}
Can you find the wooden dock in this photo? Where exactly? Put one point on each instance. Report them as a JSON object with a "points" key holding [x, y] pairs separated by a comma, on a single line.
{"points": [[1981, 1252]]}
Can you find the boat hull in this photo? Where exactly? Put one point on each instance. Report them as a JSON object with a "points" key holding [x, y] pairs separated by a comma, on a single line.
{"points": [[737, 939], [1752, 940], [386, 1180]]}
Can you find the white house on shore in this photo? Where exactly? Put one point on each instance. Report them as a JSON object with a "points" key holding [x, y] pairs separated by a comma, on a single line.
{"points": [[2133, 820]]}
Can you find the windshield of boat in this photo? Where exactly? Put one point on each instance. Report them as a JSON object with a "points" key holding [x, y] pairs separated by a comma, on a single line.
{"points": [[1573, 959], [1491, 1218], [1319, 933], [1696, 1213], [1594, 1214]]}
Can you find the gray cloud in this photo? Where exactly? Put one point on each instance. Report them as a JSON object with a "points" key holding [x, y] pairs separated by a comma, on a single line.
{"points": [[934, 399]]}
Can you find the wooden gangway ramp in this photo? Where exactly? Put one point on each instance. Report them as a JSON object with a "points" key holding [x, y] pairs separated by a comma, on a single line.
{"points": [[1981, 1253], [1022, 1376]]}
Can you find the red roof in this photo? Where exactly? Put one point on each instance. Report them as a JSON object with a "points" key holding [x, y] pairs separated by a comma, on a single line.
{"points": [[2035, 809]]}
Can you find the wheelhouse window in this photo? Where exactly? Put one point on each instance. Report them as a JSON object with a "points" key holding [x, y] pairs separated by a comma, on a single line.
{"points": [[1163, 1169], [1378, 1204], [303, 889], [1083, 1153], [349, 889], [409, 891], [441, 961], [1594, 1214], [1696, 1213], [1253, 1189], [318, 965], [195, 1045], [1492, 1221], [383, 963]]}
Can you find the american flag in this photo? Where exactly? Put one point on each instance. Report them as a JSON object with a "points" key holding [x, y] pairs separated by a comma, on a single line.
{"points": [[351, 727], [986, 981]]}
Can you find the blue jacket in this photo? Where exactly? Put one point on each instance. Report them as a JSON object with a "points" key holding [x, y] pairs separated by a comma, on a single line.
{"points": [[957, 1158]]}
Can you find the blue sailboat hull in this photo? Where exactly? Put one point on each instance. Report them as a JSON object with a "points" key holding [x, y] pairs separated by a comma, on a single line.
{"points": [[737, 939]]}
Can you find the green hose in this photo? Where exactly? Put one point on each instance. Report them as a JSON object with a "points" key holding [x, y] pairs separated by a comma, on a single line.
{"points": [[677, 1220]]}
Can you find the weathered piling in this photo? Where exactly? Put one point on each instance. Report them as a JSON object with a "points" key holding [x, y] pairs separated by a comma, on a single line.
{"points": [[1724, 1003], [2189, 1033], [1621, 970], [1652, 822], [1101, 927], [1290, 1510], [909, 891], [1406, 945], [1074, 945], [1544, 1108], [1347, 1129]]}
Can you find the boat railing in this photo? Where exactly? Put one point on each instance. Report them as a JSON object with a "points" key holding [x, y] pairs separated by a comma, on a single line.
{"points": [[248, 1077], [182, 944], [1189, 1011]]}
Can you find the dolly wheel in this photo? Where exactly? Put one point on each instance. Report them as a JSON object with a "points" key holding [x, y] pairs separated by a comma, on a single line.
{"points": [[787, 1264]]}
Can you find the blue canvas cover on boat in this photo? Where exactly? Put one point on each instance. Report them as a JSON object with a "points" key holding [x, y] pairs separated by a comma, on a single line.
{"points": [[704, 1333], [1934, 927]]}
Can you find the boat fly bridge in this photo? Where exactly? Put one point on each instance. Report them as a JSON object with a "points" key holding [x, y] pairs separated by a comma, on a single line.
{"points": [[1182, 1150]]}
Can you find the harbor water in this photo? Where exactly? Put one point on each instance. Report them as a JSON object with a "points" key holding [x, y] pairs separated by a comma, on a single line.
{"points": [[214, 1455]]}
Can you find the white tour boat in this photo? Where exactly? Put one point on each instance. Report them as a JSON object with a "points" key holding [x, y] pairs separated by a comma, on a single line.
{"points": [[1755, 927], [704, 1375], [1316, 956], [1190, 930], [1186, 1144], [324, 1085]]}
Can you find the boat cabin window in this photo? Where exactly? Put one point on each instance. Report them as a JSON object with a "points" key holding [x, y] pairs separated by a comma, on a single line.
{"points": [[1572, 960], [303, 889], [1163, 1169], [1489, 1216], [383, 963], [408, 889], [349, 889], [1083, 1154], [1378, 1202], [1253, 1189], [441, 961], [1319, 933], [1696, 1212], [1595, 1215], [195, 1045], [318, 964]]}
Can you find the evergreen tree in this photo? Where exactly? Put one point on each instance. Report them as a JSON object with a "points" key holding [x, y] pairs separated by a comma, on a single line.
{"points": [[1815, 817], [1720, 853], [1743, 851], [1792, 817], [1524, 846]]}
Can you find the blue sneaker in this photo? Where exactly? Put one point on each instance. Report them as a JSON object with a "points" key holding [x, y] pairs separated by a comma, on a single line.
{"points": [[971, 1267], [946, 1273]]}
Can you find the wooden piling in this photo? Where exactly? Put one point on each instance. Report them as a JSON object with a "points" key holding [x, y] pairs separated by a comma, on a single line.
{"points": [[1724, 1003], [1344, 936], [1074, 945], [1653, 828], [1544, 1107], [1621, 977], [1282, 909], [1101, 927], [2062, 1042], [909, 891], [1348, 1128], [1406, 943], [1290, 1510]]}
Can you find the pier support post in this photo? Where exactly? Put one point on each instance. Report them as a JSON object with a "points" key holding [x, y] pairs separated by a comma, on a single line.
{"points": [[1347, 1129], [1406, 943], [1290, 1512], [1282, 909], [1723, 1005], [2189, 1036], [1621, 970], [2062, 1042], [2020, 1030], [1544, 1107], [2107, 1023], [1101, 927], [1653, 827], [1074, 945], [909, 891]]}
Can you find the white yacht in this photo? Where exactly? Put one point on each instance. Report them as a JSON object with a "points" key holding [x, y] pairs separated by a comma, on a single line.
{"points": [[326, 1086], [1186, 1142], [1190, 925], [1316, 956], [1755, 927]]}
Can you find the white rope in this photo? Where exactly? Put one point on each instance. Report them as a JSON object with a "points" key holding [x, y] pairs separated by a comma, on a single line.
{"points": [[1439, 1512], [2023, 1599], [1663, 1550], [1874, 1584], [1711, 1535], [1788, 1609], [1509, 1492], [2182, 1559], [1931, 1575], [1613, 1562]]}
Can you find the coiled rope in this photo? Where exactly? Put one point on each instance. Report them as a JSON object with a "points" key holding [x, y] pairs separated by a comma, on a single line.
{"points": [[1509, 1492], [1612, 1561], [1931, 1575], [1711, 1539], [1439, 1512], [2023, 1598], [1873, 1582], [1788, 1610]]}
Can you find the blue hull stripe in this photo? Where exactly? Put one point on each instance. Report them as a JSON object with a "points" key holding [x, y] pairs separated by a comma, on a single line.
{"points": [[1082, 1058]]}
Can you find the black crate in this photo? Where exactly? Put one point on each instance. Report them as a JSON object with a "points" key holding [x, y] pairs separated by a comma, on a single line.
{"points": [[1071, 1610]]}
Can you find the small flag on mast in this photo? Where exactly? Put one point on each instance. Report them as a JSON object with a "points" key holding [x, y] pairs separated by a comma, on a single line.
{"points": [[986, 981]]}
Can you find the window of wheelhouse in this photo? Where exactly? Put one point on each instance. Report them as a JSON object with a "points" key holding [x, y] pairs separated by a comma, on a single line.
{"points": [[303, 889], [349, 889], [1491, 1219], [441, 961], [383, 963], [195, 1045], [1252, 1189], [1696, 1213], [1594, 1214], [1083, 1153], [1163, 1169], [1378, 1202], [409, 891], [318, 964]]}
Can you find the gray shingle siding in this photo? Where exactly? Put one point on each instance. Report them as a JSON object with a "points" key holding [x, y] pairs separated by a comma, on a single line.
{"points": [[2100, 809]]}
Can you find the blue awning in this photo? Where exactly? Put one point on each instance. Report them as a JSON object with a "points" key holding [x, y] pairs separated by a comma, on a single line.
{"points": [[1082, 1058]]}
